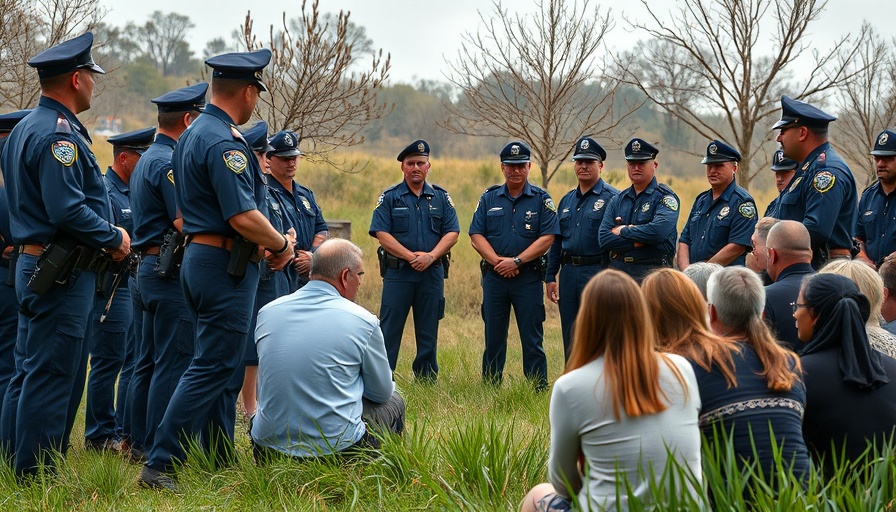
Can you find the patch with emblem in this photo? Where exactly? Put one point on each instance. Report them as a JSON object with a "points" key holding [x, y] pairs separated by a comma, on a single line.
{"points": [[421, 147], [724, 212], [306, 203], [514, 150], [585, 144], [795, 183], [599, 204], [448, 198], [822, 157], [823, 181], [882, 141], [713, 149], [236, 160], [671, 203], [549, 204], [170, 176], [379, 201], [636, 146], [747, 210], [65, 152], [645, 207]]}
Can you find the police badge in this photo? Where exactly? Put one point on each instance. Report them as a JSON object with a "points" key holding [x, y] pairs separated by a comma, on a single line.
{"points": [[599, 204], [747, 210], [884, 137], [713, 149], [584, 144], [723, 212], [421, 147], [65, 152], [306, 203], [824, 181], [235, 160], [514, 150], [645, 207], [636, 146]]}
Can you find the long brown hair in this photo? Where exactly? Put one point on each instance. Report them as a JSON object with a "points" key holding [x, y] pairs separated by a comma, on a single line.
{"points": [[613, 323], [679, 311]]}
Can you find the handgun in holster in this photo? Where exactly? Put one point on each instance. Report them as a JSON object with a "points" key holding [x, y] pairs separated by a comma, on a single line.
{"points": [[55, 264], [381, 258], [240, 254], [171, 253], [446, 262], [13, 260]]}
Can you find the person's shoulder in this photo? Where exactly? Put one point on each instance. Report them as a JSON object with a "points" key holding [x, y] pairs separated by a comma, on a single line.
{"points": [[702, 196], [491, 190], [742, 194], [871, 189], [664, 190]]}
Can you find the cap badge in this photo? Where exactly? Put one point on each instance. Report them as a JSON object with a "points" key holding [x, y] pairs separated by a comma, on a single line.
{"points": [[712, 149], [287, 140], [584, 144], [421, 147], [636, 146], [884, 137], [514, 150], [779, 157]]}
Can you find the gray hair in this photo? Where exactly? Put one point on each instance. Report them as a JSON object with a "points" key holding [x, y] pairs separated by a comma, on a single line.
{"points": [[738, 295], [700, 272], [334, 256]]}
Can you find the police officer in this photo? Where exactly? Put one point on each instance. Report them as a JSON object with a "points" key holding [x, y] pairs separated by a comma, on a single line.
{"points": [[577, 249], [9, 307], [876, 226], [166, 336], [301, 207], [823, 196], [784, 169], [513, 226], [640, 225], [218, 187], [59, 208], [723, 218], [110, 334], [416, 225]]}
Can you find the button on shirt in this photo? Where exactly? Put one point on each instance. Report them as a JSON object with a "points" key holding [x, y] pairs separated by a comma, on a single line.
{"points": [[653, 216], [730, 219], [153, 204], [877, 223], [219, 181], [53, 181], [580, 217], [511, 225]]}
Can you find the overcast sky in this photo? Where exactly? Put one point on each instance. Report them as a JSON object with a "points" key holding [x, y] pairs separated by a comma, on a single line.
{"points": [[419, 34]]}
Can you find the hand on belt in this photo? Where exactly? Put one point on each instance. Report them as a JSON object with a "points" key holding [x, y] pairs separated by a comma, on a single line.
{"points": [[220, 241]]}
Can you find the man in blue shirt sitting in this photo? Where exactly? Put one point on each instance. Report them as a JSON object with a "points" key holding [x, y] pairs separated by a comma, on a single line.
{"points": [[324, 380]]}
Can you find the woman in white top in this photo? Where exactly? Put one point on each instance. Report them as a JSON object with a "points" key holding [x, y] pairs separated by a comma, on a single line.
{"points": [[623, 414]]}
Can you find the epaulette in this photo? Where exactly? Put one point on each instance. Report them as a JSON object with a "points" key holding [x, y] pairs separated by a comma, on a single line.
{"points": [[438, 188], [493, 187], [393, 187], [869, 187], [63, 126], [665, 189], [742, 192]]}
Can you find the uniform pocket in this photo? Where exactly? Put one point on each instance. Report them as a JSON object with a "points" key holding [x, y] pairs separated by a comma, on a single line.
{"points": [[401, 220]]}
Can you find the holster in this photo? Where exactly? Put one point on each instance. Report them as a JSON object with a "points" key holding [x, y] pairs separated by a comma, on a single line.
{"points": [[381, 259], [240, 255], [446, 262], [13, 260], [55, 264], [171, 253]]}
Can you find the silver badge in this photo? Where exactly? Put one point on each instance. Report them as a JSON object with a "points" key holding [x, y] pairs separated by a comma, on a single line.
{"points": [[287, 140], [584, 144], [884, 137], [724, 212], [306, 204], [514, 150], [636, 146], [599, 204], [645, 207], [421, 148], [712, 149]]}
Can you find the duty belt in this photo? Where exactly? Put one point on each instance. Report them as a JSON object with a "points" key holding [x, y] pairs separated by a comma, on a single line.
{"points": [[629, 260], [216, 240], [571, 259], [89, 259], [152, 250]]}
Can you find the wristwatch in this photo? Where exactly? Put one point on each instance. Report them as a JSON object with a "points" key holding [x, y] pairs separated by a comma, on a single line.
{"points": [[517, 260]]}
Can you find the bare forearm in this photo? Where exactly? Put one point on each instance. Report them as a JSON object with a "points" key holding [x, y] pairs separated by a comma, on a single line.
{"points": [[255, 227]]}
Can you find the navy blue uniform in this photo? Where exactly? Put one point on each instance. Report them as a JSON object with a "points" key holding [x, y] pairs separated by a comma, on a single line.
{"points": [[713, 224], [111, 342], [417, 223], [510, 225], [652, 216], [9, 308], [217, 177], [167, 325], [876, 226], [824, 199], [305, 216], [53, 183], [577, 249]]}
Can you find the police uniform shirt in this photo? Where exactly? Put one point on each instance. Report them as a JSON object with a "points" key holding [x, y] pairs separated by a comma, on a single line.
{"points": [[730, 219], [216, 175], [823, 198], [4, 211], [417, 223], [153, 204], [580, 216], [877, 222], [653, 216], [303, 211], [511, 225], [54, 182], [118, 196]]}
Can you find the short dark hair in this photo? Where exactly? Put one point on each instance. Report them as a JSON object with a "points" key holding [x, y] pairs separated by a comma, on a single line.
{"points": [[887, 272]]}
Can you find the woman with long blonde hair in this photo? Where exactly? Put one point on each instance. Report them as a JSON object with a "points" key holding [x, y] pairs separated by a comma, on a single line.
{"points": [[622, 412]]}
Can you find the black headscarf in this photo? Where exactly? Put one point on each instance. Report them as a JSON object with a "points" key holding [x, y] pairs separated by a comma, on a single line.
{"points": [[842, 312]]}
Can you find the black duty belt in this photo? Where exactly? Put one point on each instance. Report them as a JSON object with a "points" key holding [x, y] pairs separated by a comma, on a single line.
{"points": [[571, 259], [629, 260]]}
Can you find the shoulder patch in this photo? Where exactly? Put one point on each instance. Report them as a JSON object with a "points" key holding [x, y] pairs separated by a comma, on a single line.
{"points": [[379, 200], [824, 181], [549, 204], [747, 210], [448, 198], [670, 202], [170, 176], [236, 160], [65, 151]]}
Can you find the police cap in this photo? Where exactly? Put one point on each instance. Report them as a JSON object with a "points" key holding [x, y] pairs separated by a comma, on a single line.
{"points": [[717, 151], [639, 150], [516, 153], [588, 149], [782, 163], [885, 144], [284, 144], [800, 113], [418, 147], [241, 66], [10, 120], [185, 99], [137, 140], [66, 56], [257, 137]]}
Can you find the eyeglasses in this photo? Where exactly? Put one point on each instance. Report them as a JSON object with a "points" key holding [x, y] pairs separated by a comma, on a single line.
{"points": [[797, 306]]}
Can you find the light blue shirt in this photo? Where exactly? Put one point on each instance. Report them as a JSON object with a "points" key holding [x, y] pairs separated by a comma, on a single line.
{"points": [[889, 326], [318, 354]]}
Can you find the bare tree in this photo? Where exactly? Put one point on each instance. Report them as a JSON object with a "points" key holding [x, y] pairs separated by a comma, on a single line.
{"points": [[535, 78], [164, 39], [739, 88], [311, 88], [28, 27], [867, 104]]}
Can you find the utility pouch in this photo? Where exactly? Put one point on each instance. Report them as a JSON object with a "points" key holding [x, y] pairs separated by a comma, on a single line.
{"points": [[240, 255], [54, 265]]}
